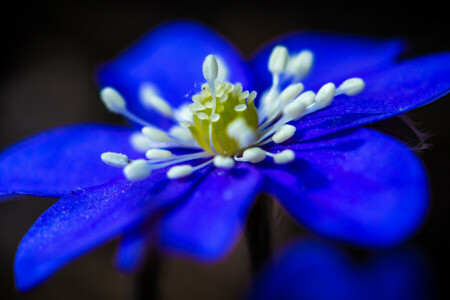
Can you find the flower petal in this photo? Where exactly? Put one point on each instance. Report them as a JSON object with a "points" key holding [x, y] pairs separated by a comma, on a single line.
{"points": [[210, 221], [390, 92], [309, 269], [336, 57], [362, 187], [132, 250], [88, 218], [170, 57], [57, 161]]}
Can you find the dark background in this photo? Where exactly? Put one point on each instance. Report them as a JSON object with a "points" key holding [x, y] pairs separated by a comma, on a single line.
{"points": [[50, 50]]}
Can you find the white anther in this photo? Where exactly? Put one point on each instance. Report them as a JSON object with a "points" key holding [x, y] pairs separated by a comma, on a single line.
{"points": [[181, 132], [183, 113], [215, 118], [307, 98], [239, 130], [112, 100], [294, 109], [351, 87], [117, 160], [196, 106], [210, 68], [137, 170], [150, 98], [254, 155], [223, 98], [283, 133], [223, 162], [300, 64], [240, 107], [155, 134], [158, 153], [284, 157], [278, 60], [202, 116], [140, 142], [179, 171], [251, 97], [325, 95], [289, 93], [185, 124]]}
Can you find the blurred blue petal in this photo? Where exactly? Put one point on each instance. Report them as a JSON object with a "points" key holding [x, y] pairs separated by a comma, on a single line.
{"points": [[390, 92], [317, 271], [55, 162], [362, 187], [88, 218], [337, 57], [132, 250], [208, 224], [170, 57]]}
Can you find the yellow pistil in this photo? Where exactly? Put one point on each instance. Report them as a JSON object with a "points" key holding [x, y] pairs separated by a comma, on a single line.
{"points": [[231, 104]]}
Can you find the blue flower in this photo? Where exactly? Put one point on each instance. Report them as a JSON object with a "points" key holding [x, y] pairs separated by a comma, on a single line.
{"points": [[309, 269], [336, 178]]}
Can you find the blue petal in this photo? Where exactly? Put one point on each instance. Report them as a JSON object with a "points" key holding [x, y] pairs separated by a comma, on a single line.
{"points": [[388, 93], [314, 270], [210, 222], [362, 187], [336, 57], [89, 218], [171, 57], [61, 160]]}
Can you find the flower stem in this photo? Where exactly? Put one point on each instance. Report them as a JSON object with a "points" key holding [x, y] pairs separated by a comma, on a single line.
{"points": [[147, 282], [258, 233]]}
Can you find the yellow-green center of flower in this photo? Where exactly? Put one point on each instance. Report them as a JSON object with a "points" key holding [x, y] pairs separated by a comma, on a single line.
{"points": [[233, 124]]}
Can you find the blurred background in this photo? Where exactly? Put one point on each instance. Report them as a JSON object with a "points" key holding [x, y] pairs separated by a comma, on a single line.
{"points": [[50, 51]]}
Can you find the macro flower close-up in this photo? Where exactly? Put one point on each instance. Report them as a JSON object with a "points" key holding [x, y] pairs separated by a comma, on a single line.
{"points": [[208, 131]]}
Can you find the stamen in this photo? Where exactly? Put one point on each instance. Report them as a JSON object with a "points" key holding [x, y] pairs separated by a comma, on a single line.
{"points": [[181, 133], [254, 155], [283, 133], [180, 171], [158, 153], [325, 95], [137, 170], [300, 65], [278, 60], [117, 160], [289, 93], [239, 130], [140, 142], [113, 100], [155, 134], [210, 71], [351, 87], [150, 98], [284, 157], [223, 162]]}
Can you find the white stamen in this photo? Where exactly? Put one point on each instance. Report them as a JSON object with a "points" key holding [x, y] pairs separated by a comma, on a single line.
{"points": [[278, 60], [283, 133], [300, 65], [289, 93], [215, 118], [117, 160], [284, 157], [254, 155], [210, 68], [223, 162], [155, 134], [351, 87], [137, 170], [251, 97], [180, 171], [239, 130], [325, 95], [158, 153], [196, 106], [181, 133], [240, 107], [150, 98], [307, 98], [202, 116], [294, 109], [113, 100], [140, 142]]}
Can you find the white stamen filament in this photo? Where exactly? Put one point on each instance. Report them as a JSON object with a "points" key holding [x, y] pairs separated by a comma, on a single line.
{"points": [[150, 98]]}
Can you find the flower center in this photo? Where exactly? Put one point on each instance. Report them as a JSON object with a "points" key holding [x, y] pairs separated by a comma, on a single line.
{"points": [[233, 123], [222, 122]]}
